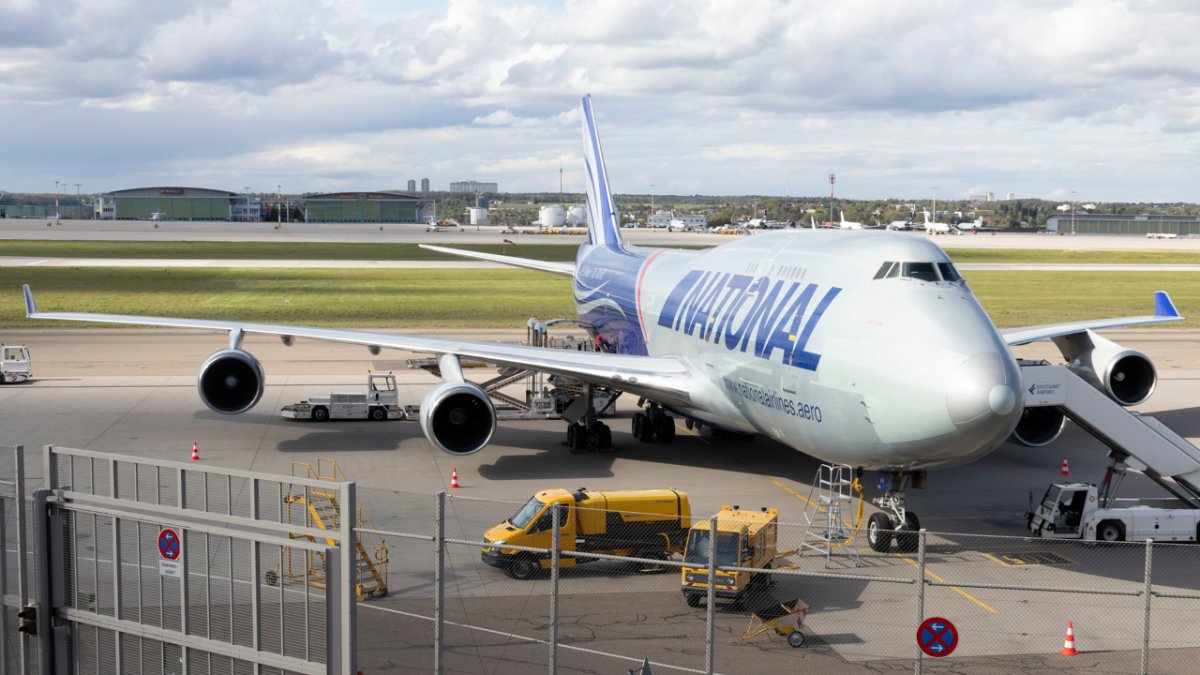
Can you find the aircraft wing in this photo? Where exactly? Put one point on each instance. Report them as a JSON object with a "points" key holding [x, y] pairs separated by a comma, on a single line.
{"points": [[564, 269], [1164, 312], [664, 378]]}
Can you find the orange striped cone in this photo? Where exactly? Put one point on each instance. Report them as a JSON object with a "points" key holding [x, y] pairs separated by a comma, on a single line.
{"points": [[1069, 646], [1066, 470], [195, 452], [454, 478]]}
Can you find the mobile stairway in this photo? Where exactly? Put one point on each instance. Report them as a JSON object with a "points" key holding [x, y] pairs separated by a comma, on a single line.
{"points": [[317, 508], [1135, 441]]}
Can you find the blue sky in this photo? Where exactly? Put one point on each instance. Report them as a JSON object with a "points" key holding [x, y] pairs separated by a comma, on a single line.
{"points": [[1037, 98]]}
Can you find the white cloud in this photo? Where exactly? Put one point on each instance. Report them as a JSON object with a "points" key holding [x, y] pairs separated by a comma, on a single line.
{"points": [[1025, 96]]}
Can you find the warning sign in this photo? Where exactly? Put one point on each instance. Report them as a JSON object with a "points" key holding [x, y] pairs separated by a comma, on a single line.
{"points": [[937, 637]]}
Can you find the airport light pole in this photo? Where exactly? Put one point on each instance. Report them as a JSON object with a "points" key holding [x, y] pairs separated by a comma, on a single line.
{"points": [[651, 205], [1072, 213], [246, 215], [57, 215], [934, 204], [279, 204], [832, 180], [79, 198]]}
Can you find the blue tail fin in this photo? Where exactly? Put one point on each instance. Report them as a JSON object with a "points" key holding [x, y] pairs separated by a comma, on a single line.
{"points": [[602, 217]]}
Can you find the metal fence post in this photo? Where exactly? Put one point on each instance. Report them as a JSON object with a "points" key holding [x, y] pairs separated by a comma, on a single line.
{"points": [[348, 560], [711, 614], [1146, 626], [920, 595], [22, 548], [439, 586], [555, 551]]}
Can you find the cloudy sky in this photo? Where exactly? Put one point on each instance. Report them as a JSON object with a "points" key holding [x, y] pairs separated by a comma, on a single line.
{"points": [[1094, 98]]}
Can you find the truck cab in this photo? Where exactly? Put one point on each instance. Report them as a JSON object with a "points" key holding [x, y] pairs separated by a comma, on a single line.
{"points": [[14, 364], [636, 523], [743, 539]]}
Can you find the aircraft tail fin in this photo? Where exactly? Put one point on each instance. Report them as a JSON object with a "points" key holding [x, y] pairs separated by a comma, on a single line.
{"points": [[602, 216]]}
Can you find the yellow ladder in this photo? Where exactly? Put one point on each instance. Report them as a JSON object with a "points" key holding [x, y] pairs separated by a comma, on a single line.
{"points": [[318, 508]]}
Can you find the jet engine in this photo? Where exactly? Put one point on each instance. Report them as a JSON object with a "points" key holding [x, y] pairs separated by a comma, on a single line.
{"points": [[230, 381], [458, 417], [1126, 375], [1039, 426]]}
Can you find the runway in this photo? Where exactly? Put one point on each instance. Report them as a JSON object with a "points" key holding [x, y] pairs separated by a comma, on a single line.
{"points": [[134, 230]]}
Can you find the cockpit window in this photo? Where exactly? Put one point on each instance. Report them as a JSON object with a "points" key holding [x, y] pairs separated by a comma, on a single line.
{"points": [[919, 271], [948, 272], [884, 269]]}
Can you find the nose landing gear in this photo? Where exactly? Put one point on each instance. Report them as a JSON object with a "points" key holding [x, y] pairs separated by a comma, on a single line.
{"points": [[895, 522]]}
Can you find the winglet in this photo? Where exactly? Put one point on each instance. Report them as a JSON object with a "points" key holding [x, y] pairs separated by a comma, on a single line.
{"points": [[30, 307], [1162, 305]]}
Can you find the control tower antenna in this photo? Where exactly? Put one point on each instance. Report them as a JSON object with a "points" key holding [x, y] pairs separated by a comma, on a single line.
{"points": [[832, 179], [560, 176]]}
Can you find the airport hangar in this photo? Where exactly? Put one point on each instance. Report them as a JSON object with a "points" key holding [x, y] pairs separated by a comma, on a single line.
{"points": [[1110, 223], [204, 204]]}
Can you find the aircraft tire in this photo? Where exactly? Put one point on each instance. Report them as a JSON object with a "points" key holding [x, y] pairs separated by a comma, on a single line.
{"points": [[605, 436], [879, 533], [908, 538], [666, 428]]}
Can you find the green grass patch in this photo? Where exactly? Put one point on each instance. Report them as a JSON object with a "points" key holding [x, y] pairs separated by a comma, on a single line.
{"points": [[396, 299], [1032, 298], [426, 298], [1101, 257], [251, 250]]}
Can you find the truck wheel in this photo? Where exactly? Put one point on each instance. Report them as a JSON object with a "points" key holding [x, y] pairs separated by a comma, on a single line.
{"points": [[879, 533], [908, 539], [795, 638], [1110, 530], [378, 414], [320, 414], [523, 568], [693, 599]]}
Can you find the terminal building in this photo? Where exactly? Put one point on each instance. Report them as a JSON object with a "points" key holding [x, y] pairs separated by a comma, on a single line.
{"points": [[177, 203], [362, 207], [1140, 225]]}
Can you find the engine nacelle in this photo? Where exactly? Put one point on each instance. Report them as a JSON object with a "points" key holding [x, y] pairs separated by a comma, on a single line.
{"points": [[1126, 375], [1039, 426], [458, 418], [230, 381]]}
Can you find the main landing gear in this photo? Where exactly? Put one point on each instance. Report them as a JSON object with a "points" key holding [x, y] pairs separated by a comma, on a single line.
{"points": [[653, 424], [895, 522], [586, 433]]}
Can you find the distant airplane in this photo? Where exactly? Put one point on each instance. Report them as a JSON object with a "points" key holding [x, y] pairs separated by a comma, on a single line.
{"points": [[933, 227], [976, 224], [848, 224], [899, 225], [863, 348]]}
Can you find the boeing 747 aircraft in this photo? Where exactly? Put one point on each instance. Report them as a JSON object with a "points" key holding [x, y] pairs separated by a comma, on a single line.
{"points": [[855, 347]]}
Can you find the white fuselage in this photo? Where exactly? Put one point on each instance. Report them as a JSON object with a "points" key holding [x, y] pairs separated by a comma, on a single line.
{"points": [[891, 372]]}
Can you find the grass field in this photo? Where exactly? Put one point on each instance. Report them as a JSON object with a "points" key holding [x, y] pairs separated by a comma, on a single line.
{"points": [[554, 252], [423, 298]]}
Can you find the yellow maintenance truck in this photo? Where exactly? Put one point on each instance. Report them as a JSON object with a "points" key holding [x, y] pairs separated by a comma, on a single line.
{"points": [[744, 539], [637, 523]]}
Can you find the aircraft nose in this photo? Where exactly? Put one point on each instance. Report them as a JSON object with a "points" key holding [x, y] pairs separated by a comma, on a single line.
{"points": [[982, 398]]}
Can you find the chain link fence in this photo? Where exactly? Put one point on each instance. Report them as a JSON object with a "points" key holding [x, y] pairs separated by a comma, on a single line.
{"points": [[634, 586]]}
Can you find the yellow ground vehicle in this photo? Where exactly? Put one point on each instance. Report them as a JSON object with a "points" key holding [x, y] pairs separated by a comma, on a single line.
{"points": [[637, 523], [744, 539]]}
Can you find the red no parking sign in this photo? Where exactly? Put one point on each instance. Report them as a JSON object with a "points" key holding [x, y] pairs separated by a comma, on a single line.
{"points": [[170, 548], [937, 637]]}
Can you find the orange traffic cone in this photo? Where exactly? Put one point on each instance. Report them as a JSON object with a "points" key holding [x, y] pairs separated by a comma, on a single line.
{"points": [[454, 478], [1069, 646], [195, 452], [1066, 470]]}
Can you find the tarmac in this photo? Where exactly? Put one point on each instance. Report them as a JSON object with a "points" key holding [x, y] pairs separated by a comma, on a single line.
{"points": [[134, 392]]}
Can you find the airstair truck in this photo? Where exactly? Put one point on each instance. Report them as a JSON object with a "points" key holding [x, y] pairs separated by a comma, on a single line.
{"points": [[638, 523], [744, 539], [1135, 442], [14, 366]]}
